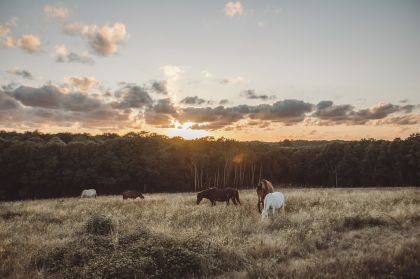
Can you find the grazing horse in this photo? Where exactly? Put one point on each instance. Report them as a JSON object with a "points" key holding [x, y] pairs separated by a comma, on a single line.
{"points": [[132, 195], [91, 193], [263, 188], [275, 201], [221, 195]]}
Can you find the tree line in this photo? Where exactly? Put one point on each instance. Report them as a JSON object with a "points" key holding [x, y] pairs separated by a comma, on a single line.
{"points": [[38, 165]]}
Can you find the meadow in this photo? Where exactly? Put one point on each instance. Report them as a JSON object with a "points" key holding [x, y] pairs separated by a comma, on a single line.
{"points": [[325, 233]]}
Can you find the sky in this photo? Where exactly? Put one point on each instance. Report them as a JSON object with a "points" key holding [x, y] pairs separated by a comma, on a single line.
{"points": [[247, 70]]}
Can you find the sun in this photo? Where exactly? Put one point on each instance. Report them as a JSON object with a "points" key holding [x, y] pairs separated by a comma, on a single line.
{"points": [[184, 130]]}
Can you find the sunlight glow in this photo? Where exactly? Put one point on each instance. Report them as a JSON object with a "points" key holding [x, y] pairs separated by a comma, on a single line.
{"points": [[184, 130]]}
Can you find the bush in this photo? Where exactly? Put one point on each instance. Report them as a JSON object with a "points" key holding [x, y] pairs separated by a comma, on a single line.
{"points": [[99, 225], [138, 255]]}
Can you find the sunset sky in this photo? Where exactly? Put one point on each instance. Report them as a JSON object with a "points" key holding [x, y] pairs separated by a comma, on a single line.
{"points": [[248, 70]]}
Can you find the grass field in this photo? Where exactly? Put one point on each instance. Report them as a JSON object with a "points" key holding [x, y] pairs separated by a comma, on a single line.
{"points": [[325, 233]]}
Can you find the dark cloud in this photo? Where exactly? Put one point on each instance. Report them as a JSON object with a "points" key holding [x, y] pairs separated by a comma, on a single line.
{"points": [[132, 97], [50, 96], [52, 105], [224, 102], [158, 119], [73, 57], [193, 101], [213, 118], [331, 114], [47, 105], [165, 106], [377, 112], [251, 94], [160, 87], [22, 73], [288, 111], [326, 110], [7, 102]]}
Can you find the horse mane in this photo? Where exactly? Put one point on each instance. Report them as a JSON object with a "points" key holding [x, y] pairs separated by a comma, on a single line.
{"points": [[269, 186]]}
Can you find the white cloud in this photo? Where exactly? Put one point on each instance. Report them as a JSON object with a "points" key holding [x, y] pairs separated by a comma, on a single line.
{"points": [[171, 72], [104, 40], [56, 11], [29, 43], [82, 83], [234, 9], [6, 35]]}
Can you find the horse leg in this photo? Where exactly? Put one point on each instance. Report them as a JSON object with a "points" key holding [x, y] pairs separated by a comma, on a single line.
{"points": [[234, 202], [237, 198], [227, 201]]}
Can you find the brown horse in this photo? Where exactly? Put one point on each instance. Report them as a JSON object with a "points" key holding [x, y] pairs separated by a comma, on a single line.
{"points": [[221, 195], [132, 195], [263, 188]]}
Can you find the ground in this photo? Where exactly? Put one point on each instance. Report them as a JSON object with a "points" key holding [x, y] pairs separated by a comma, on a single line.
{"points": [[325, 233]]}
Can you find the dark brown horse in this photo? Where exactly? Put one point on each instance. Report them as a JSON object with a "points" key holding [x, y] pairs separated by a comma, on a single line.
{"points": [[221, 195], [132, 195], [263, 188]]}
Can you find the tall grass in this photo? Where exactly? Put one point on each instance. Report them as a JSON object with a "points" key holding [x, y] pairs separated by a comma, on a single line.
{"points": [[325, 233]]}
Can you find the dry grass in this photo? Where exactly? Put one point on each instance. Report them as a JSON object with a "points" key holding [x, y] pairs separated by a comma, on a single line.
{"points": [[327, 233]]}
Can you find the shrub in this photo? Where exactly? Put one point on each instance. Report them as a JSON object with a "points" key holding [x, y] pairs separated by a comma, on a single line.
{"points": [[99, 225], [138, 255]]}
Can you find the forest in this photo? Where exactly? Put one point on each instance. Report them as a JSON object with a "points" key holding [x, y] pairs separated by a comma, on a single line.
{"points": [[37, 165]]}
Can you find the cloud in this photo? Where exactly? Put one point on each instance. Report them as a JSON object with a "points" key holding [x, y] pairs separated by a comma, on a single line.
{"points": [[330, 114], [160, 87], [7, 102], [132, 97], [251, 94], [193, 101], [287, 111], [22, 73], [61, 55], [171, 72], [52, 97], [409, 119], [6, 35], [232, 80], [224, 102], [47, 105], [165, 106], [210, 118], [234, 9], [158, 120], [56, 11], [81, 83], [131, 105], [29, 43], [103, 40]]}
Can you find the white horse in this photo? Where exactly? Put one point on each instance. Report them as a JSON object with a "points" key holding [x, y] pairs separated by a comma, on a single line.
{"points": [[91, 193], [275, 201]]}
